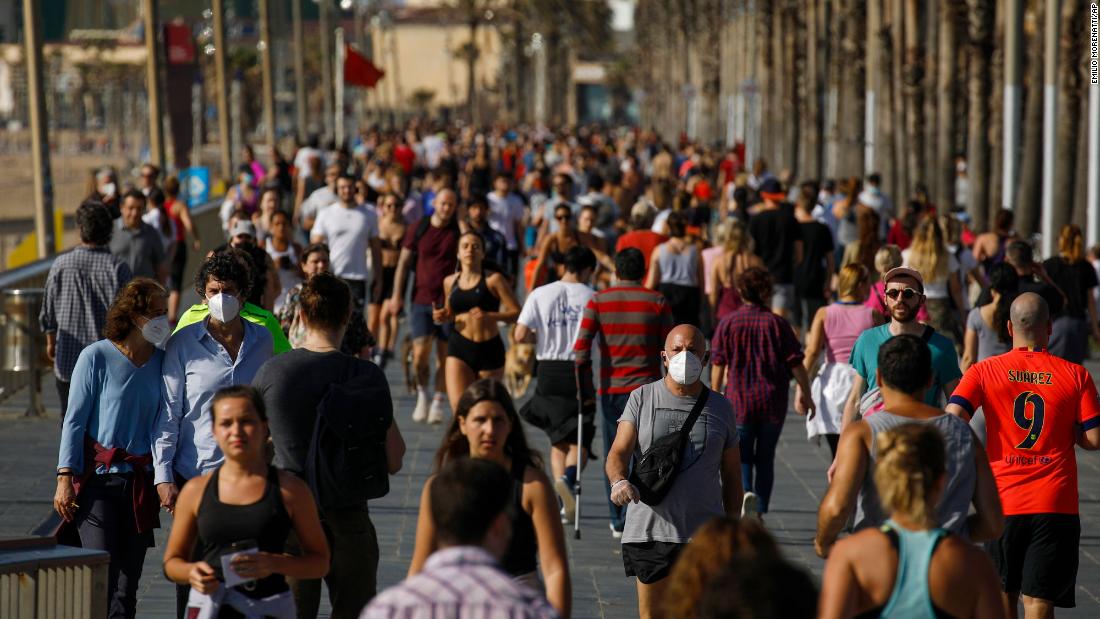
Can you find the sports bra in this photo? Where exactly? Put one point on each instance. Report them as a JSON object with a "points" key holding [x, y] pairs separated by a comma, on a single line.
{"points": [[463, 300], [264, 524], [911, 597]]}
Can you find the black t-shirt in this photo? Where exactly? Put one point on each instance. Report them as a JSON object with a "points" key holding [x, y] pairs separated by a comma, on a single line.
{"points": [[292, 385], [774, 233], [1076, 281], [1028, 284], [810, 275]]}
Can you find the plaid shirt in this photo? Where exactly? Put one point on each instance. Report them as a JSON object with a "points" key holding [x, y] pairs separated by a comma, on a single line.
{"points": [[80, 288], [461, 582], [759, 349], [632, 322]]}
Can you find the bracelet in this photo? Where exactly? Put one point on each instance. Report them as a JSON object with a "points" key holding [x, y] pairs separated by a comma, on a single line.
{"points": [[616, 484], [64, 473]]}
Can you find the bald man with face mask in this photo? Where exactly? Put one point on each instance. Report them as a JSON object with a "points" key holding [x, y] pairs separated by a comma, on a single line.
{"points": [[708, 484]]}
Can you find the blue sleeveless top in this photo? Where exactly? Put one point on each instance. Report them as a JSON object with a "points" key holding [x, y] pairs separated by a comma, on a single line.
{"points": [[911, 598]]}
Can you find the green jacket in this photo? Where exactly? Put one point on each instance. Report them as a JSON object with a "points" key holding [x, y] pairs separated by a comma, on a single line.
{"points": [[251, 313]]}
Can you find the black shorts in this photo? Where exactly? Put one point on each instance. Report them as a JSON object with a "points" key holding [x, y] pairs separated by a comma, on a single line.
{"points": [[480, 356], [358, 289], [650, 561], [179, 263], [387, 286], [1037, 556]]}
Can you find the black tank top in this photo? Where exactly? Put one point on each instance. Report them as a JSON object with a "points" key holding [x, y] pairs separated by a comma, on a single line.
{"points": [[520, 558], [264, 522], [463, 300]]}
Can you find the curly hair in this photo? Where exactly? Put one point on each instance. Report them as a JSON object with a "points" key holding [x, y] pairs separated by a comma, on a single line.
{"points": [[229, 265], [714, 545], [755, 285], [132, 301], [455, 445]]}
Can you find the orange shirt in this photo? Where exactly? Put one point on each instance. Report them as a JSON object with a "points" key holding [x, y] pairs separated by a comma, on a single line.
{"points": [[1034, 403]]}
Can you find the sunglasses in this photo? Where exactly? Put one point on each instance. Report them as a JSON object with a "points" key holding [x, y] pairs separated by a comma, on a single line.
{"points": [[907, 293]]}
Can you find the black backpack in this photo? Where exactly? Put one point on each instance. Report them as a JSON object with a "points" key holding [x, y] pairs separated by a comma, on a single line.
{"points": [[347, 464]]}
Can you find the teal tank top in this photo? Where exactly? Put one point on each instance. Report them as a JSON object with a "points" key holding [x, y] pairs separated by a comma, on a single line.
{"points": [[911, 598]]}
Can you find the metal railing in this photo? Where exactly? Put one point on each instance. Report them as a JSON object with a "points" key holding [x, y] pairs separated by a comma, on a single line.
{"points": [[33, 275]]}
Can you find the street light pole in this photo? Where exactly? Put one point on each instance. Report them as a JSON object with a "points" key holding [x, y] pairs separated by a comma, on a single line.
{"points": [[268, 85], [152, 83], [40, 144], [222, 91]]}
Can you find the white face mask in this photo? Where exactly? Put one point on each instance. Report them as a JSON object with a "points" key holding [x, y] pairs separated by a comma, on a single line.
{"points": [[156, 331], [224, 307], [685, 368], [108, 190]]}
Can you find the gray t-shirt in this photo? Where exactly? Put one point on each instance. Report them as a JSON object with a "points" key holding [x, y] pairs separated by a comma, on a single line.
{"points": [[989, 345], [696, 496], [962, 476], [142, 248]]}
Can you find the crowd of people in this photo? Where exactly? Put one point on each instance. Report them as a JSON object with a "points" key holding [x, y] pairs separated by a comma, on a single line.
{"points": [[939, 365]]}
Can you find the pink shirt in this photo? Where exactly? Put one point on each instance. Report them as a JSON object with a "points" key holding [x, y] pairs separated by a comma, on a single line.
{"points": [[844, 322]]}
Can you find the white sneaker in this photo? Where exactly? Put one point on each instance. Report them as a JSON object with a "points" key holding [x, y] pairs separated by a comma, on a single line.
{"points": [[568, 499], [566, 516], [615, 533], [420, 413], [750, 506], [438, 410]]}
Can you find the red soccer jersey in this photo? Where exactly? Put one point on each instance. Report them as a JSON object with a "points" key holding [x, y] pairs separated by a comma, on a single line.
{"points": [[1033, 403]]}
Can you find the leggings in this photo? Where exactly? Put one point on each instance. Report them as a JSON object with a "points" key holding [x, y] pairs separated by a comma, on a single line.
{"points": [[758, 439]]}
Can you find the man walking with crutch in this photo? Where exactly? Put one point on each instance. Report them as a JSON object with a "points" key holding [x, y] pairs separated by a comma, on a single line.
{"points": [[550, 318]]}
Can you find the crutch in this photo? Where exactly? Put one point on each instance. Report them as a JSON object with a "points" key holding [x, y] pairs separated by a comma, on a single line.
{"points": [[580, 458]]}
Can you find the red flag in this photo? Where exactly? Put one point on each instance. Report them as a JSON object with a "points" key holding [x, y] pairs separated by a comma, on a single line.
{"points": [[359, 71]]}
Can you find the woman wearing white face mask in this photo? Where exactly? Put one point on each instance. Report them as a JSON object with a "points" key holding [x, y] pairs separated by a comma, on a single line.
{"points": [[755, 354], [104, 470]]}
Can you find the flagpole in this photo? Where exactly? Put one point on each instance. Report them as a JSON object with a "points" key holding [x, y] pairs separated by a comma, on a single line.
{"points": [[338, 82]]}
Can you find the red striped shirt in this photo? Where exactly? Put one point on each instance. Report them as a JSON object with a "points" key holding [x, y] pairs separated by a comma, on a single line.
{"points": [[632, 323]]}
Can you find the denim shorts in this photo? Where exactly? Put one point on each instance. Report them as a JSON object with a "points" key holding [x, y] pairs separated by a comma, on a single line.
{"points": [[422, 325]]}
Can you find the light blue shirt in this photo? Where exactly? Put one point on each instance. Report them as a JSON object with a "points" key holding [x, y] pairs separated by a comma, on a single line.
{"points": [[195, 367], [114, 402]]}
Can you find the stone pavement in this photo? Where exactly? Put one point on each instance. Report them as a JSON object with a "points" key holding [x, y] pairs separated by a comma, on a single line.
{"points": [[28, 454]]}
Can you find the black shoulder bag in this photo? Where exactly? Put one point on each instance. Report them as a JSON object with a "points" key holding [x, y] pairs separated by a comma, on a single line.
{"points": [[655, 472]]}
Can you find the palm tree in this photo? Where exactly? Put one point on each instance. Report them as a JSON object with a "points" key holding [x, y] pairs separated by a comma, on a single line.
{"points": [[1071, 86], [947, 79], [980, 45], [1031, 163]]}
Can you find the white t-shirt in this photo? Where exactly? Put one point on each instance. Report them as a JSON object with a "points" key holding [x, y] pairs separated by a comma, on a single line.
{"points": [[503, 215], [302, 157], [554, 312], [348, 232], [317, 201], [153, 218], [938, 289]]}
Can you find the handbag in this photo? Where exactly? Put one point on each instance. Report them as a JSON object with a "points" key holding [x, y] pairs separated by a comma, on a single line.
{"points": [[655, 472]]}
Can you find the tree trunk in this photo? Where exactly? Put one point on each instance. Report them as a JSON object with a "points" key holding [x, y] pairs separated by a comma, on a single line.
{"points": [[766, 77], [930, 21], [997, 113], [1071, 87], [944, 169], [812, 141], [980, 30], [914, 90], [884, 112], [471, 78], [901, 138], [1029, 192], [1080, 202], [709, 24]]}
